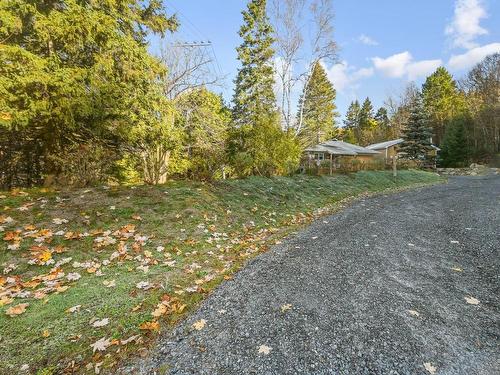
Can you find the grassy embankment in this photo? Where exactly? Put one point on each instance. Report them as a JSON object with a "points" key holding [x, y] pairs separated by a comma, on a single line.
{"points": [[110, 264]]}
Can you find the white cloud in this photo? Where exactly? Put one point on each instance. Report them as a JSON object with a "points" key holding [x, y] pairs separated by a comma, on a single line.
{"points": [[473, 56], [393, 66], [402, 64], [345, 77], [422, 68], [465, 26], [365, 39]]}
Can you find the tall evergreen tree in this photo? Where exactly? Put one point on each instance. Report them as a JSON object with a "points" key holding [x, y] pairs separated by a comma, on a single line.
{"points": [[351, 122], [383, 125], [417, 134], [318, 109], [254, 94], [257, 144], [366, 114], [454, 148], [442, 101]]}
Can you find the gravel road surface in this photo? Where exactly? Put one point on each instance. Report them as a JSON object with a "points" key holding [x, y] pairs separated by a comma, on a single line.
{"points": [[398, 284]]}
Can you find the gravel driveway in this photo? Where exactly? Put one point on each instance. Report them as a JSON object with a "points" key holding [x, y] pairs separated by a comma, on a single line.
{"points": [[399, 284]]}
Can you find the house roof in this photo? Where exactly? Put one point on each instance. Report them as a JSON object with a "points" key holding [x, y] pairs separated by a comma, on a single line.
{"points": [[385, 145], [340, 148]]}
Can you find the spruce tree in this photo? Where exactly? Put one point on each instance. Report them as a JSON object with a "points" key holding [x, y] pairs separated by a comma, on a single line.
{"points": [[454, 148], [319, 109], [254, 95], [351, 122], [417, 134]]}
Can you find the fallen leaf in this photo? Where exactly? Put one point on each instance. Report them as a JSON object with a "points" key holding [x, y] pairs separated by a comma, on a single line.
{"points": [[150, 326], [17, 310], [46, 333], [143, 285], [430, 368], [285, 308], [414, 313], [130, 339], [109, 283], [160, 310], [264, 349], [472, 300], [100, 323], [73, 276], [101, 345], [199, 325], [74, 309], [457, 269]]}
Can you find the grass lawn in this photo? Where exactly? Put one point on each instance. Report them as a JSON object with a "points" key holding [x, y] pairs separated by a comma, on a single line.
{"points": [[89, 277]]}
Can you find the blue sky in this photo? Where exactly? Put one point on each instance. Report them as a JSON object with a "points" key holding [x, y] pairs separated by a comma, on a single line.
{"points": [[383, 44]]}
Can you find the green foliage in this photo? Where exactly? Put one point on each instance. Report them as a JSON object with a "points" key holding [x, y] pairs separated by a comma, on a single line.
{"points": [[73, 70], [454, 148], [264, 149], [366, 114], [204, 119], [417, 134], [442, 101], [254, 94], [351, 123], [319, 110]]}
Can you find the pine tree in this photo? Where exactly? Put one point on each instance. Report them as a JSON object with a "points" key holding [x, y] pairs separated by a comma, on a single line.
{"points": [[454, 148], [254, 95], [351, 122], [442, 101], [319, 109], [417, 134]]}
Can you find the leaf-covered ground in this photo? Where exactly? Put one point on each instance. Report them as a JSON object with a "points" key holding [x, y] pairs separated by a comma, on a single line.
{"points": [[90, 276]]}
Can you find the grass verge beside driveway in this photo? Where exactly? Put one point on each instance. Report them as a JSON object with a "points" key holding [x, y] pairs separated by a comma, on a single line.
{"points": [[90, 276]]}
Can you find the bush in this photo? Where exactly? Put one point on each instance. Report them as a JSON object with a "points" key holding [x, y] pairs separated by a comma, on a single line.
{"points": [[82, 165]]}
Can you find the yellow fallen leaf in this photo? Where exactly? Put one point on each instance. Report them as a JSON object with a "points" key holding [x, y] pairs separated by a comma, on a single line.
{"points": [[150, 326], [5, 301], [17, 310], [286, 307], [46, 333], [199, 325], [160, 310], [457, 269]]}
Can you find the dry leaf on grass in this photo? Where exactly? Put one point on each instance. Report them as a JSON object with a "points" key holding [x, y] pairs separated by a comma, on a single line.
{"points": [[150, 326], [17, 310], [100, 345], [286, 307], [414, 313], [74, 309], [100, 323]]}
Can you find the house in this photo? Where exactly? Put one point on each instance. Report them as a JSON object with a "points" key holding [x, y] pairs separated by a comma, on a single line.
{"points": [[388, 149], [334, 154]]}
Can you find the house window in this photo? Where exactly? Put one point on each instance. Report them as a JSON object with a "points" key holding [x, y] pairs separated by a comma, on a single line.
{"points": [[319, 156]]}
